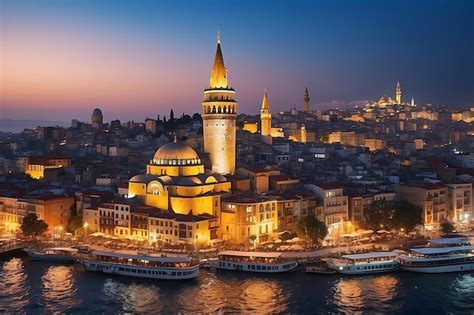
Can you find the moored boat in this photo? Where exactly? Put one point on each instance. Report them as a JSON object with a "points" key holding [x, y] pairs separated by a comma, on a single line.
{"points": [[150, 266], [440, 256], [263, 262], [320, 267], [53, 254], [365, 263]]}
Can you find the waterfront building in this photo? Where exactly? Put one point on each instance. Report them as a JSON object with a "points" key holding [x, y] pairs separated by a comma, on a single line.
{"points": [[459, 201], [55, 210], [244, 217], [432, 198], [335, 207]]}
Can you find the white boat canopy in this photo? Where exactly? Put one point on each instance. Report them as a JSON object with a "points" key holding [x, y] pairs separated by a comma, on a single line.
{"points": [[370, 255], [442, 250], [154, 258], [452, 240], [250, 254]]}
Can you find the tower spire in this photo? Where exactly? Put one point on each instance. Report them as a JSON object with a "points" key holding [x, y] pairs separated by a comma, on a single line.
{"points": [[219, 72], [265, 104]]}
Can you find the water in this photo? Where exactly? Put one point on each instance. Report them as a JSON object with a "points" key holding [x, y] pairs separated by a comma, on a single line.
{"points": [[39, 287]]}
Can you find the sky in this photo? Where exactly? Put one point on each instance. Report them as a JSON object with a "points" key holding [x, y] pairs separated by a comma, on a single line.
{"points": [[59, 59]]}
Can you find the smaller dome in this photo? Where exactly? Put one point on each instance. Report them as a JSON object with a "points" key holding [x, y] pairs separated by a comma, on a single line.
{"points": [[176, 153]]}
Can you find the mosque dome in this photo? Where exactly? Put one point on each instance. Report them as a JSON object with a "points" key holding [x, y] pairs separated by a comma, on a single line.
{"points": [[385, 100], [176, 153]]}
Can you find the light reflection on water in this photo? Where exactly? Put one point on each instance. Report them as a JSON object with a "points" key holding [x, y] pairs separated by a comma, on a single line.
{"points": [[461, 292], [133, 297], [224, 292], [356, 294], [33, 287], [13, 286], [59, 290]]}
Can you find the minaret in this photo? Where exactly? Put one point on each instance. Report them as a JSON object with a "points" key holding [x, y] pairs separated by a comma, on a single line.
{"points": [[265, 117], [412, 101], [306, 100], [219, 113], [398, 94]]}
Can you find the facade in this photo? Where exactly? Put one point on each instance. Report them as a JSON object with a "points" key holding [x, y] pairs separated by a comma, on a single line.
{"points": [[219, 111], [55, 210], [335, 208], [431, 197], [459, 201], [247, 216]]}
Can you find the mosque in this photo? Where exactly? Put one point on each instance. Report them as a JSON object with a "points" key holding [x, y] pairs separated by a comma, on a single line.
{"points": [[175, 179]]}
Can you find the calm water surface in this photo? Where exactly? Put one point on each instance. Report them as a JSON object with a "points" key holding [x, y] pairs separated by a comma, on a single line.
{"points": [[37, 287]]}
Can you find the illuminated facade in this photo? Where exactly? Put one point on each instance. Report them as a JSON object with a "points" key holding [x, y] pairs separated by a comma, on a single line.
{"points": [[245, 217], [398, 94], [219, 110], [266, 117]]}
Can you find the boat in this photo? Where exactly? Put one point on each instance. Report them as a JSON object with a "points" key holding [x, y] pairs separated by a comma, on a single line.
{"points": [[263, 262], [53, 254], [452, 254], [321, 267], [142, 265], [365, 263]]}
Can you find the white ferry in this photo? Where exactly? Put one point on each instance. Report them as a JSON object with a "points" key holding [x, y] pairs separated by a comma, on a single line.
{"points": [[264, 262], [53, 254], [365, 263], [151, 266], [440, 256]]}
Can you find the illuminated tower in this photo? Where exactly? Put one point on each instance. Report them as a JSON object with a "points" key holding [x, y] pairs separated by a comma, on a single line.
{"points": [[398, 94], [266, 117], [219, 110], [306, 100]]}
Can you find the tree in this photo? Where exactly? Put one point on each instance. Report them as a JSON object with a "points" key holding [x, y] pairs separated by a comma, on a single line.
{"points": [[74, 223], [32, 227], [311, 229], [447, 227], [171, 115], [406, 215], [379, 215]]}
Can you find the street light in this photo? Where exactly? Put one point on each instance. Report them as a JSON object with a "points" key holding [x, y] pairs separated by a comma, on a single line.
{"points": [[85, 229]]}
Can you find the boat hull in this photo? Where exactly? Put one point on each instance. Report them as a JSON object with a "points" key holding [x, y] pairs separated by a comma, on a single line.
{"points": [[51, 258], [161, 273], [440, 269], [256, 268], [365, 269]]}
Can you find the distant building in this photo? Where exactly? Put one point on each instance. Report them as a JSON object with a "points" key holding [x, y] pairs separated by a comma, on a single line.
{"points": [[97, 118]]}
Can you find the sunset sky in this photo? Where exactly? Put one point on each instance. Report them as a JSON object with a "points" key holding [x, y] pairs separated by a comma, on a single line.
{"points": [[134, 59]]}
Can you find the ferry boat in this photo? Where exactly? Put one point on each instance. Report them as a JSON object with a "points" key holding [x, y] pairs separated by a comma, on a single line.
{"points": [[53, 254], [263, 262], [440, 256], [150, 266], [365, 263]]}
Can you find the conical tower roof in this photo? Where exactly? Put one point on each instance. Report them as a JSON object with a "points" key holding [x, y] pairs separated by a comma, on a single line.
{"points": [[219, 72], [265, 104]]}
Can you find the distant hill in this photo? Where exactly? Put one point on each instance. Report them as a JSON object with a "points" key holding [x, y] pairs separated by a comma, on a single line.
{"points": [[340, 104], [17, 125]]}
